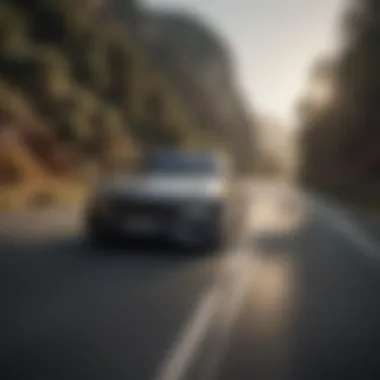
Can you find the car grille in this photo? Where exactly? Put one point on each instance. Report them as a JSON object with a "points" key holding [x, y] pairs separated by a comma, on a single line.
{"points": [[138, 208]]}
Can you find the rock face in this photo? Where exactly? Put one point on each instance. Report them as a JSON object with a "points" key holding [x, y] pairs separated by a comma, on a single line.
{"points": [[203, 73], [197, 62]]}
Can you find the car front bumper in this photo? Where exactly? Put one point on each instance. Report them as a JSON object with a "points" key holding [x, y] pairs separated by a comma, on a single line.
{"points": [[181, 230]]}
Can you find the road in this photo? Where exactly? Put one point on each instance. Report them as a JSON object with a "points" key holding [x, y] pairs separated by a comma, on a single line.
{"points": [[296, 297]]}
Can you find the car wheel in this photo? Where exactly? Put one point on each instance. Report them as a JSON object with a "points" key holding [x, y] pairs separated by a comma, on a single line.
{"points": [[99, 241], [98, 236], [216, 241], [219, 235]]}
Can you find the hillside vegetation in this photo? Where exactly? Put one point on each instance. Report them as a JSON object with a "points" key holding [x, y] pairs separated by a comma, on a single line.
{"points": [[78, 97]]}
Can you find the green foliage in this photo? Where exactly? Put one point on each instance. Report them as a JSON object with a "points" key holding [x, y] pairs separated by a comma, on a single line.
{"points": [[14, 28], [73, 117], [119, 85], [96, 71], [52, 75], [78, 71], [111, 123], [74, 128], [12, 103]]}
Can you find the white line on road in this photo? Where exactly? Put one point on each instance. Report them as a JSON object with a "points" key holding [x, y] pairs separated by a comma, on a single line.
{"points": [[347, 227], [231, 308], [336, 217], [218, 299], [350, 230], [182, 352], [189, 341]]}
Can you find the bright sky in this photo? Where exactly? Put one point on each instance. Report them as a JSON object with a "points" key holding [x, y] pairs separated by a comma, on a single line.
{"points": [[274, 41]]}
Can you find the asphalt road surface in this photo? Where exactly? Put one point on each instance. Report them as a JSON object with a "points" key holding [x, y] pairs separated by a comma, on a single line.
{"points": [[296, 297]]}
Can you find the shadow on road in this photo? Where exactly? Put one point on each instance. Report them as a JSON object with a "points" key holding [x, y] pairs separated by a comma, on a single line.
{"points": [[148, 248], [76, 247], [69, 310]]}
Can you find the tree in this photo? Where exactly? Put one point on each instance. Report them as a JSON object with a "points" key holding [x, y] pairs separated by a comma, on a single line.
{"points": [[339, 136]]}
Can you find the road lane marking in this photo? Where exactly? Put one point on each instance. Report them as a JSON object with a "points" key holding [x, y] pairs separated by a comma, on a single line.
{"points": [[344, 225], [229, 314], [336, 217], [182, 352], [218, 299], [350, 230]]}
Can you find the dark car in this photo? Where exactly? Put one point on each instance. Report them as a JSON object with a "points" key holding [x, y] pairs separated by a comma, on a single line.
{"points": [[176, 196]]}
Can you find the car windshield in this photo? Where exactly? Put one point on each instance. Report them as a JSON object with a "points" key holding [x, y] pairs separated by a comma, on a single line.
{"points": [[191, 164]]}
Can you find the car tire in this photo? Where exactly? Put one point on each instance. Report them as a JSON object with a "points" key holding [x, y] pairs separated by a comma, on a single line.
{"points": [[97, 241], [98, 236], [219, 236], [216, 241]]}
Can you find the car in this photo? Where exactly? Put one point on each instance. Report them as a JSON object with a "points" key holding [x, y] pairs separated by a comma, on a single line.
{"points": [[179, 197]]}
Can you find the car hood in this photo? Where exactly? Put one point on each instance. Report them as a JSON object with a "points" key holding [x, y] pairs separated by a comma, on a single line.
{"points": [[165, 187]]}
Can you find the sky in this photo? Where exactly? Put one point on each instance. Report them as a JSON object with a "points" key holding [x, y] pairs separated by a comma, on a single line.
{"points": [[274, 43]]}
